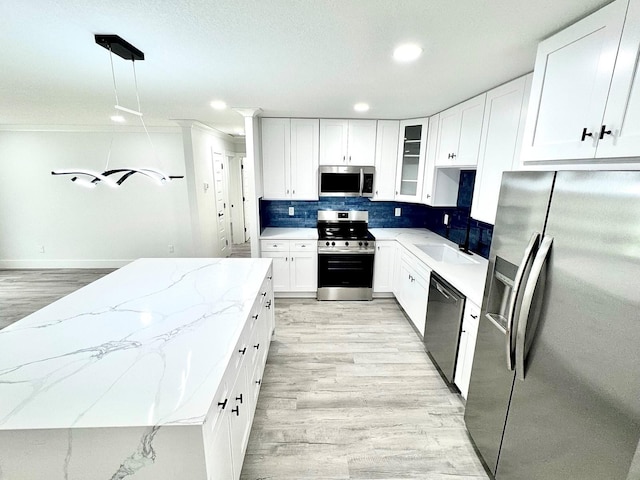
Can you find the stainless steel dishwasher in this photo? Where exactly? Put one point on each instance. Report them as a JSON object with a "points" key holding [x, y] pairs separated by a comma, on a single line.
{"points": [[445, 306]]}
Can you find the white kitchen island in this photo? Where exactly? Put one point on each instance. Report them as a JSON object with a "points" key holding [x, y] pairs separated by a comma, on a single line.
{"points": [[151, 372]]}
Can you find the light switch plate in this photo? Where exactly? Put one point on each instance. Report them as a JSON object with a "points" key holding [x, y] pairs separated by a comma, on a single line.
{"points": [[291, 211], [398, 212]]}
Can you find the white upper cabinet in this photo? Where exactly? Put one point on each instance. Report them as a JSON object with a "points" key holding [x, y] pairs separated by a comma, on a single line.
{"points": [[304, 158], [412, 148], [572, 75], [502, 130], [459, 133], [276, 158], [386, 158], [347, 142], [619, 134], [290, 158]]}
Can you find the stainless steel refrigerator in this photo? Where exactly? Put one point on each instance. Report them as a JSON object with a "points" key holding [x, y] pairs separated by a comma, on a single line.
{"points": [[555, 384]]}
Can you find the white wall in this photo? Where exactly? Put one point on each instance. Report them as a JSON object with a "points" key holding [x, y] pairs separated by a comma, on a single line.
{"points": [[200, 143], [81, 227]]}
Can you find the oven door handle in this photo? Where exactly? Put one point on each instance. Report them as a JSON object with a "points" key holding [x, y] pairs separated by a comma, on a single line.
{"points": [[361, 180]]}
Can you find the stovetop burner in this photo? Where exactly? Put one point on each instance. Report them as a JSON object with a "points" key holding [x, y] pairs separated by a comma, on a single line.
{"points": [[344, 232]]}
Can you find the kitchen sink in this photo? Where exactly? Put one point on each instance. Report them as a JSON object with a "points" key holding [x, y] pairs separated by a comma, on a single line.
{"points": [[446, 254]]}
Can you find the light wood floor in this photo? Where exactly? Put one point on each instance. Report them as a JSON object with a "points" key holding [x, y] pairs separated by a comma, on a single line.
{"points": [[348, 391], [25, 291]]}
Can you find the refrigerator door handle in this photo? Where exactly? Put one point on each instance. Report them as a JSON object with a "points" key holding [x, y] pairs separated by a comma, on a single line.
{"points": [[527, 300], [517, 284]]}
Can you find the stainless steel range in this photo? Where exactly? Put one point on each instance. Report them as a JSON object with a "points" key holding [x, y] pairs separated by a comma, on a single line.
{"points": [[346, 252]]}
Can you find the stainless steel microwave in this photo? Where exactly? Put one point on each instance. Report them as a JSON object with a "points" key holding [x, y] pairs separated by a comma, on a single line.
{"points": [[345, 181]]}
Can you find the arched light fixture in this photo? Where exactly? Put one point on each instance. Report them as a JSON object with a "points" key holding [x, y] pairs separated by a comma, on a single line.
{"points": [[90, 178]]}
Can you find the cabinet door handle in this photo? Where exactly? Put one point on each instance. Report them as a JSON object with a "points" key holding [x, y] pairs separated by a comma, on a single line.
{"points": [[376, 193], [293, 192], [257, 347], [222, 404], [264, 294], [258, 382], [344, 158], [428, 196], [243, 350], [349, 157], [604, 131], [268, 305], [236, 410], [239, 398], [453, 155], [585, 134], [255, 317], [474, 316], [269, 277], [287, 192]]}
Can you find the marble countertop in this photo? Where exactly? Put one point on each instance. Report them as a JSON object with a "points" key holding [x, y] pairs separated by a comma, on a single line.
{"points": [[271, 233], [468, 279], [146, 345]]}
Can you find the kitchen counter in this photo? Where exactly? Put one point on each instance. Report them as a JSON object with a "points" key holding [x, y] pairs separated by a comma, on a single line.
{"points": [[271, 233], [468, 278], [123, 371]]}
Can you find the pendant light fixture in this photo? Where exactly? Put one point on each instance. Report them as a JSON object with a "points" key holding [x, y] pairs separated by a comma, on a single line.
{"points": [[90, 178]]}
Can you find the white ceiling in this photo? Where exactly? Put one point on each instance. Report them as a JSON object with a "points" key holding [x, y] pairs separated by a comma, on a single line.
{"points": [[303, 58]]}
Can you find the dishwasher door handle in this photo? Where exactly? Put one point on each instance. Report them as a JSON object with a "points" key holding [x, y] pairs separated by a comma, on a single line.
{"points": [[441, 289]]}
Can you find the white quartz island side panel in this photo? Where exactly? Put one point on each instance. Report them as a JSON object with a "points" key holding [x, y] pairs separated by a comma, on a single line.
{"points": [[117, 380]]}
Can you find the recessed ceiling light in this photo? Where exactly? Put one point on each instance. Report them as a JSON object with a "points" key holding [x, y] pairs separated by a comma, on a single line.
{"points": [[361, 107], [218, 105], [407, 52], [117, 118]]}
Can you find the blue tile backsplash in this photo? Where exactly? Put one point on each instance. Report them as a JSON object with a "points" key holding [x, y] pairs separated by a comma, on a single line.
{"points": [[275, 213]]}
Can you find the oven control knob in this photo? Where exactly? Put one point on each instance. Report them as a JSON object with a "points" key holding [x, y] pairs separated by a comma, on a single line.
{"points": [[327, 244], [333, 244], [366, 244], [360, 243], [346, 244]]}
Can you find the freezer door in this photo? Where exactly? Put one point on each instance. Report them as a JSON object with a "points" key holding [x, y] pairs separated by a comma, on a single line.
{"points": [[522, 211], [576, 412]]}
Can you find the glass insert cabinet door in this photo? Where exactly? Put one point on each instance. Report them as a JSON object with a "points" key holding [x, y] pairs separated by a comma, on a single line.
{"points": [[410, 160], [411, 157]]}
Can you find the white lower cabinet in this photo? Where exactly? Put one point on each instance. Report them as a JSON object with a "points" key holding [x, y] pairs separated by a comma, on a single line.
{"points": [[229, 421], [412, 287], [466, 347], [383, 266], [295, 264]]}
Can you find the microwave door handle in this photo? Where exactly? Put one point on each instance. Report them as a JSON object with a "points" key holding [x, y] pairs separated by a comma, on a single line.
{"points": [[361, 180], [527, 300], [515, 292]]}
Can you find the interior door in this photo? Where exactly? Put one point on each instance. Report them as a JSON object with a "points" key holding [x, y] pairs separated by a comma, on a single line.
{"points": [[576, 412], [222, 216], [246, 194], [236, 200]]}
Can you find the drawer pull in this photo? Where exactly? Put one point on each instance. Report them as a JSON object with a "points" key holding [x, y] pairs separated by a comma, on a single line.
{"points": [[222, 405], [268, 305], [239, 398], [236, 410], [257, 347], [243, 350]]}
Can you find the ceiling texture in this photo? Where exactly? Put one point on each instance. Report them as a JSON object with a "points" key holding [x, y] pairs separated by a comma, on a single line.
{"points": [[298, 58]]}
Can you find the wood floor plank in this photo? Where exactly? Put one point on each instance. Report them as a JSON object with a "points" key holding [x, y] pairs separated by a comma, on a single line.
{"points": [[349, 393]]}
